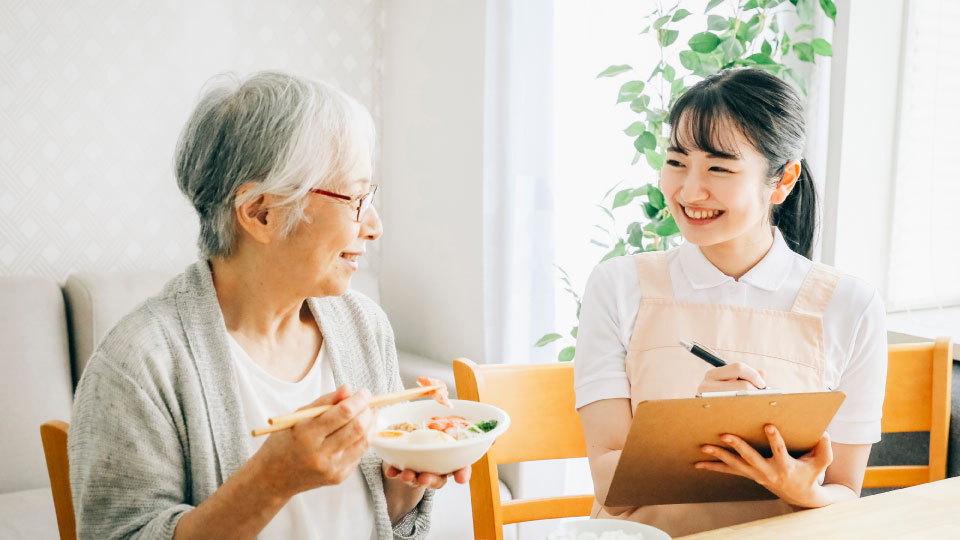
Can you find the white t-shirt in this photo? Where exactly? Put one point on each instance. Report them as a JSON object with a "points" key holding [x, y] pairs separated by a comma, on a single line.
{"points": [[854, 327], [329, 512]]}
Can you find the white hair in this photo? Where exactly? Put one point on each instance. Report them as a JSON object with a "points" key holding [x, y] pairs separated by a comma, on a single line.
{"points": [[286, 133]]}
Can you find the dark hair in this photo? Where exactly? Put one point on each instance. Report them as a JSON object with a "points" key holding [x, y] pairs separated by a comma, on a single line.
{"points": [[769, 113]]}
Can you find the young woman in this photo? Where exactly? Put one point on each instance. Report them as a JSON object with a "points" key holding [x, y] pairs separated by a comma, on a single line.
{"points": [[743, 284]]}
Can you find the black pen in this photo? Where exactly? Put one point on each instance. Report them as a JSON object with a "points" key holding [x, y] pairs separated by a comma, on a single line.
{"points": [[703, 353]]}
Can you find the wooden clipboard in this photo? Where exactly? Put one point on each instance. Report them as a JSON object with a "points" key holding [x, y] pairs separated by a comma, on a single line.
{"points": [[656, 466]]}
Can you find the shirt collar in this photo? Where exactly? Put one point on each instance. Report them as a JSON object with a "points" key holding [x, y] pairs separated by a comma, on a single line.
{"points": [[768, 274]]}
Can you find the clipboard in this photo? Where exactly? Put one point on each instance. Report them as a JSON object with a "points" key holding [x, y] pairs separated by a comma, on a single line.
{"points": [[656, 465]]}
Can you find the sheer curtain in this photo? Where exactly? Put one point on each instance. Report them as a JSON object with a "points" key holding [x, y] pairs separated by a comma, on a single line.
{"points": [[924, 254], [517, 197]]}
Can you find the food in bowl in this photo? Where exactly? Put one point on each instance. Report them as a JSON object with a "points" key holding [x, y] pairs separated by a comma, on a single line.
{"points": [[440, 395], [438, 429], [425, 436]]}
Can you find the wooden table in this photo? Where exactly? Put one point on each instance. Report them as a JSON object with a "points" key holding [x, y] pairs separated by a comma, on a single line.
{"points": [[927, 511]]}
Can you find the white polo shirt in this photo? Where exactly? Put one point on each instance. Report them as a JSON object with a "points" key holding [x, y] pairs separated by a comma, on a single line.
{"points": [[854, 327]]}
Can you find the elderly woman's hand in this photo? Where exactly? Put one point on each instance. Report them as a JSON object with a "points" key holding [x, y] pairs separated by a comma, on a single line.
{"points": [[405, 488], [322, 451]]}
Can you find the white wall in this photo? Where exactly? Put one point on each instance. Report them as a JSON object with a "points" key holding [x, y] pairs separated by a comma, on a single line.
{"points": [[93, 96], [431, 267], [863, 124]]}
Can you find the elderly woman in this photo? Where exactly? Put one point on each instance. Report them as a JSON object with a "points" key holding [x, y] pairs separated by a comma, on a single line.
{"points": [[278, 169]]}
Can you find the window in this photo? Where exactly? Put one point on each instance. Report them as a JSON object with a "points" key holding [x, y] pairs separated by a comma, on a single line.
{"points": [[924, 251]]}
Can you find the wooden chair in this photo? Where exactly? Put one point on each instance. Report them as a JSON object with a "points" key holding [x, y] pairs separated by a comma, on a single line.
{"points": [[54, 437], [544, 425], [917, 399]]}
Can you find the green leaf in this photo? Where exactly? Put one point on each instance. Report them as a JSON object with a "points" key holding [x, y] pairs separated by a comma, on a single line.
{"points": [[669, 73], [607, 194], [599, 243], [635, 129], [667, 227], [656, 197], [666, 37], [635, 234], [645, 140], [822, 47], [752, 4], [573, 331], [731, 48], [658, 24], [785, 44], [650, 210], [760, 58], [567, 354], [717, 23], [680, 15], [704, 42], [653, 158], [640, 104], [709, 64], [803, 27], [690, 60], [829, 9], [750, 30], [549, 338], [623, 198], [629, 91], [805, 11], [618, 250], [677, 87], [766, 48], [712, 4], [804, 51], [798, 80], [645, 30], [614, 70]]}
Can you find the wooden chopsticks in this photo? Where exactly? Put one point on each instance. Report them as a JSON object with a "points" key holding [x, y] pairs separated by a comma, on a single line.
{"points": [[286, 421]]}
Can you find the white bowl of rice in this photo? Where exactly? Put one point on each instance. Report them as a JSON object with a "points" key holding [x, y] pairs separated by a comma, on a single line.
{"points": [[426, 436], [606, 529]]}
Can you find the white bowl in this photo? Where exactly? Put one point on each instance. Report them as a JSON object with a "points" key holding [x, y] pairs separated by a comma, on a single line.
{"points": [[599, 526], [440, 458]]}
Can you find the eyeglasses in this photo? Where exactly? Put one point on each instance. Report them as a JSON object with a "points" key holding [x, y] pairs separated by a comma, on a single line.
{"points": [[365, 200]]}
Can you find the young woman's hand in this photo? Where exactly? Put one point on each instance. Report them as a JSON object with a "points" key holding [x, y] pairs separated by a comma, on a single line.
{"points": [[795, 480], [322, 451], [732, 377]]}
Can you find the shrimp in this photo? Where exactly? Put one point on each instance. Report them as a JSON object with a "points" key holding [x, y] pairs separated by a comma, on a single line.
{"points": [[441, 394]]}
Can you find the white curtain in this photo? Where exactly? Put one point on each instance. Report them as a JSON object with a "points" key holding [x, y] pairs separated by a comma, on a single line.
{"points": [[519, 279]]}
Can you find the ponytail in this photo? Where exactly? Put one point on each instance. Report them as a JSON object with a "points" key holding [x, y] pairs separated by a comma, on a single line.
{"points": [[796, 217]]}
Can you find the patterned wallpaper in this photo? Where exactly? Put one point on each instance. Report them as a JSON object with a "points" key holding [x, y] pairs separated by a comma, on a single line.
{"points": [[93, 95]]}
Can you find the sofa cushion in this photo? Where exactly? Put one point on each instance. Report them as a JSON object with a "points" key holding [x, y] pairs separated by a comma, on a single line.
{"points": [[35, 381], [28, 515], [96, 302]]}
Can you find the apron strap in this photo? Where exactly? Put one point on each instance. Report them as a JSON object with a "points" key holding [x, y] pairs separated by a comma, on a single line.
{"points": [[653, 273], [817, 290]]}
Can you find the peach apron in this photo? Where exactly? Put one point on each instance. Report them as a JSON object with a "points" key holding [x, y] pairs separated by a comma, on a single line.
{"points": [[788, 345]]}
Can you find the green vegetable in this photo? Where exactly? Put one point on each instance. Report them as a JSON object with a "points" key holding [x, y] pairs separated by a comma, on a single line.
{"points": [[485, 426]]}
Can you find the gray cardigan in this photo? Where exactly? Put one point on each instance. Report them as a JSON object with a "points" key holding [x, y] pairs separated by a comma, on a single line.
{"points": [[157, 425]]}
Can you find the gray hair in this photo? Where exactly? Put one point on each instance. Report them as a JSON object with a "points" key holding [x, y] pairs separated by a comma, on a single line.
{"points": [[286, 133]]}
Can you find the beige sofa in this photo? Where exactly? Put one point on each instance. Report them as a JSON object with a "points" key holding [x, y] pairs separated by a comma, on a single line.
{"points": [[47, 333]]}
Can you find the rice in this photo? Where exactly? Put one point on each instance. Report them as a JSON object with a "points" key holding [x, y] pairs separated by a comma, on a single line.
{"points": [[608, 535]]}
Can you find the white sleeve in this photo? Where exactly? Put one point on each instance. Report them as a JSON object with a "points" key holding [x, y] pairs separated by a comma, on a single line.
{"points": [[609, 308], [863, 380]]}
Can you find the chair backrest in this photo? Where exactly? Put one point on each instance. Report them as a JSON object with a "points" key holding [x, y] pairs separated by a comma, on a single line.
{"points": [[54, 437], [544, 424], [917, 399]]}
